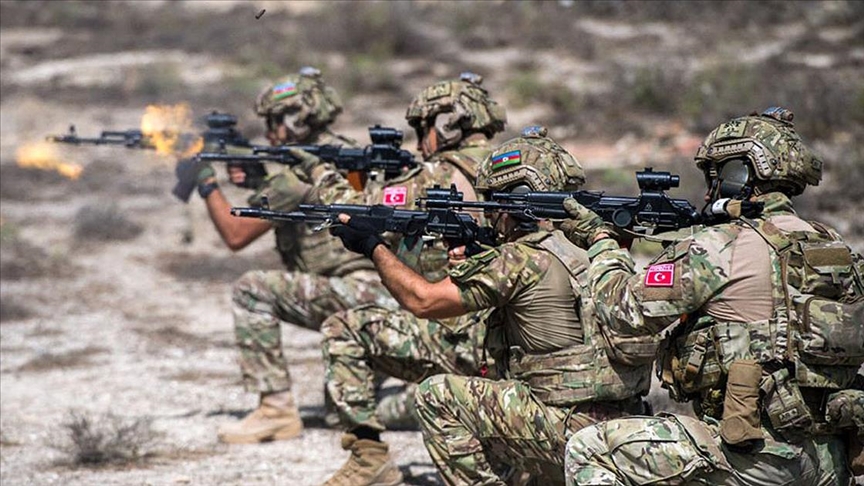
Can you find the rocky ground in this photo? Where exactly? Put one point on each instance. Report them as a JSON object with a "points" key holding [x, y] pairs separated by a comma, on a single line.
{"points": [[107, 306]]}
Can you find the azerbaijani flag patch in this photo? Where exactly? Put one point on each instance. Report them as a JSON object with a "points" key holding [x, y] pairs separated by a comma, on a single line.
{"points": [[284, 90], [506, 159], [660, 275]]}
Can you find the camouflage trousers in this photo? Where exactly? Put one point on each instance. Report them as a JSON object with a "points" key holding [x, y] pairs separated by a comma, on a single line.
{"points": [[370, 339], [263, 300], [472, 424], [679, 450]]}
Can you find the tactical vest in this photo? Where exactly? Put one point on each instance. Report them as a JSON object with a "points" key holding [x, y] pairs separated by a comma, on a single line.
{"points": [[584, 372], [303, 250], [429, 258], [319, 253], [812, 341]]}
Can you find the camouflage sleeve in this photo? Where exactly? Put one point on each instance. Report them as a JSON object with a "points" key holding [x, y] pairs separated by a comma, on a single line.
{"points": [[284, 190], [679, 281], [491, 278], [330, 187]]}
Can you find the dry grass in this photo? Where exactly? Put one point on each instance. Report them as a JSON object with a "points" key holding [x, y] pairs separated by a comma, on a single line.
{"points": [[193, 267], [11, 310], [70, 359], [204, 376], [170, 336], [104, 223], [18, 184], [21, 260], [94, 441]]}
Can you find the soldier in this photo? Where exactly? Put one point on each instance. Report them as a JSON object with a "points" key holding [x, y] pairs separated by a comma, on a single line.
{"points": [[539, 333], [767, 346], [320, 278], [454, 121]]}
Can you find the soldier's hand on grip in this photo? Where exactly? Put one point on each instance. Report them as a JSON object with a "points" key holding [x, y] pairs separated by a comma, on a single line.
{"points": [[584, 224], [357, 236], [191, 173]]}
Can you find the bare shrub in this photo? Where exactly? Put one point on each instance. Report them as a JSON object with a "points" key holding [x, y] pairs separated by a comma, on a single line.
{"points": [[70, 359], [106, 439], [104, 223]]}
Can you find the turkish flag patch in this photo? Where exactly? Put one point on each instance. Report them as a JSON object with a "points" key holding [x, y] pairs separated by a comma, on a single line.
{"points": [[660, 275], [395, 196]]}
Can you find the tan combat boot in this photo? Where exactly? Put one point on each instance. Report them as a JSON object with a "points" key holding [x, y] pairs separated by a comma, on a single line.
{"points": [[369, 465], [276, 418]]}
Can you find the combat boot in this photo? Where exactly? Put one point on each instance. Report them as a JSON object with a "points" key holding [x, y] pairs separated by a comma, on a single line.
{"points": [[276, 418], [369, 465]]}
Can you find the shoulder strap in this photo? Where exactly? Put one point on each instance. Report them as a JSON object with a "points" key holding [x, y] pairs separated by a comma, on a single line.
{"points": [[774, 236]]}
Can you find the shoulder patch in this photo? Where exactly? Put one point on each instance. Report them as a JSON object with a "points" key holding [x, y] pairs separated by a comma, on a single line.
{"points": [[395, 196], [660, 275]]}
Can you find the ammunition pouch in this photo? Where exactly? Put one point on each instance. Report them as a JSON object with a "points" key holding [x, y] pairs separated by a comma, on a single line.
{"points": [[783, 403], [741, 418], [828, 332]]}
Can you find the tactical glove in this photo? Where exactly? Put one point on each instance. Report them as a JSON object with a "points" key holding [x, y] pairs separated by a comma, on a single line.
{"points": [[358, 236], [306, 163], [734, 209], [584, 224], [191, 173]]}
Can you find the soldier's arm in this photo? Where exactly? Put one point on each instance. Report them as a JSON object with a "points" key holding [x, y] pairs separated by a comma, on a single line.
{"points": [[284, 190], [678, 282], [237, 233], [414, 293]]}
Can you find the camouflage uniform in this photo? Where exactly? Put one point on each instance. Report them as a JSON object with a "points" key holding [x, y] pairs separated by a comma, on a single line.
{"points": [[726, 285], [368, 338], [541, 335], [469, 423], [322, 278], [360, 341]]}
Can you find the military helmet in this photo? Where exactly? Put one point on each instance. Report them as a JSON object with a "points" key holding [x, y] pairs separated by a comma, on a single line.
{"points": [[762, 152], [530, 162], [304, 96], [456, 108]]}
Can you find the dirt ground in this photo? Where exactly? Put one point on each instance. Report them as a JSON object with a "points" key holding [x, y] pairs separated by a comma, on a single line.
{"points": [[114, 296]]}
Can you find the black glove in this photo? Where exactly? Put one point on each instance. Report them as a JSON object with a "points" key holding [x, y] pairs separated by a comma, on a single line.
{"points": [[190, 174], [358, 236]]}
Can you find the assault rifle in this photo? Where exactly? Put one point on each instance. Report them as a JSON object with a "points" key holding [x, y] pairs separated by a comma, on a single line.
{"points": [[384, 154], [127, 138], [653, 211], [456, 228], [220, 129]]}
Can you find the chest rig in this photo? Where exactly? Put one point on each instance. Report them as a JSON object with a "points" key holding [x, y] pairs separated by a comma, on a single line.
{"points": [[596, 370], [812, 345]]}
